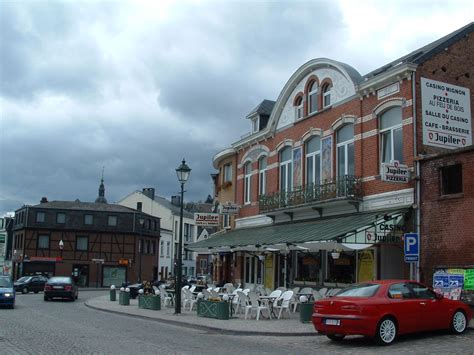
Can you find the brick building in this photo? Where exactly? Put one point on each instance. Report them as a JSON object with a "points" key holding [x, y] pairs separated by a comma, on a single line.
{"points": [[99, 244], [328, 182]]}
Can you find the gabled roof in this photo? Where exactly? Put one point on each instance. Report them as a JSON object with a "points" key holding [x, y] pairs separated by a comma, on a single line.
{"points": [[263, 108], [173, 208], [422, 54]]}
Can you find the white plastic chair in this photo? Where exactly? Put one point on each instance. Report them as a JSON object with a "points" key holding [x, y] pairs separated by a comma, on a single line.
{"points": [[316, 295], [246, 291], [207, 294], [242, 301], [166, 297], [323, 291], [284, 303], [294, 300], [191, 299], [255, 305]]}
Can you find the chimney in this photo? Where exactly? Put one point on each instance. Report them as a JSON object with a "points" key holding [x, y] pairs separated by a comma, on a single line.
{"points": [[149, 192], [176, 200], [44, 200]]}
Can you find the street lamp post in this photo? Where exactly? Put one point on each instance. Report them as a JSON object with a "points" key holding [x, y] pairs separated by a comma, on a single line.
{"points": [[182, 172], [141, 220]]}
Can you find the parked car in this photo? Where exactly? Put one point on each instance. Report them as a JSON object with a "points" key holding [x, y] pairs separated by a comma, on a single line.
{"points": [[34, 283], [61, 287], [388, 308], [7, 292]]}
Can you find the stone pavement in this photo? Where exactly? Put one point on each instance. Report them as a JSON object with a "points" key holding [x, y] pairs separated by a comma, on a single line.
{"points": [[236, 325], [285, 326]]}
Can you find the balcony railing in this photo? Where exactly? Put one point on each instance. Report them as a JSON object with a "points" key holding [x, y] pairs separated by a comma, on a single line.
{"points": [[343, 187]]}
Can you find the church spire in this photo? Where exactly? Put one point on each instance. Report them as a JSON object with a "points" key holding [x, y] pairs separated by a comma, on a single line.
{"points": [[101, 197]]}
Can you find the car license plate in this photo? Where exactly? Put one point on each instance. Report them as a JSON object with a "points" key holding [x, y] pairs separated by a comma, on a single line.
{"points": [[332, 322], [58, 287]]}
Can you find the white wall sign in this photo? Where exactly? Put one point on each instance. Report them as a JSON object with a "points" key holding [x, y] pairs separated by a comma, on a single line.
{"points": [[388, 90], [395, 172], [206, 219], [446, 112], [229, 208]]}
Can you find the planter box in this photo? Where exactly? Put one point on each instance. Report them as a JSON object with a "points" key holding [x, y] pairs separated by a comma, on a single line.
{"points": [[149, 302], [124, 298], [218, 310]]}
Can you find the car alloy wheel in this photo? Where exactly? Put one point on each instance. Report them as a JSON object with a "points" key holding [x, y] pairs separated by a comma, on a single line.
{"points": [[386, 331], [458, 324], [25, 290]]}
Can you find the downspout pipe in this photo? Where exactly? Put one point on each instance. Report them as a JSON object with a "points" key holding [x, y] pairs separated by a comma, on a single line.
{"points": [[417, 174]]}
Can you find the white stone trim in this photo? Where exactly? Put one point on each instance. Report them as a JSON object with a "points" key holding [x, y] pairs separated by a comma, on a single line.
{"points": [[240, 176], [369, 134], [399, 198], [369, 178], [407, 121], [253, 221]]}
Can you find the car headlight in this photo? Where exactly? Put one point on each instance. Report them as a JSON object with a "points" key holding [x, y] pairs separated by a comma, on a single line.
{"points": [[8, 294]]}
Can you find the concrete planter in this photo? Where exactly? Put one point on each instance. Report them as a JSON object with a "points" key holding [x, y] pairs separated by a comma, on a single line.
{"points": [[210, 309], [149, 302]]}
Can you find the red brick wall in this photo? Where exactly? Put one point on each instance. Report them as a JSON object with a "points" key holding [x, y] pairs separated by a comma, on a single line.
{"points": [[447, 224]]}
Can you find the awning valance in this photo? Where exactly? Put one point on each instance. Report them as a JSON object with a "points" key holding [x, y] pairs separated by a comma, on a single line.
{"points": [[322, 233]]}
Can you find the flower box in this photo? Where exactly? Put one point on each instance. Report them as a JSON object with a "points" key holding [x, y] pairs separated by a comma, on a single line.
{"points": [[149, 302], [213, 309]]}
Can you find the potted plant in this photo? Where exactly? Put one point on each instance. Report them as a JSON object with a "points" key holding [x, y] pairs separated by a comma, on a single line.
{"points": [[113, 295], [124, 296], [306, 309], [212, 307], [148, 298]]}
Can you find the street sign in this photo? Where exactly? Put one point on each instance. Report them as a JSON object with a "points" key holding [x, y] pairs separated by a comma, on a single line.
{"points": [[98, 261], [411, 247]]}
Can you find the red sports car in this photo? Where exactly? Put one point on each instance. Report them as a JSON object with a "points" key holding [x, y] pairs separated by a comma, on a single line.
{"points": [[386, 308]]}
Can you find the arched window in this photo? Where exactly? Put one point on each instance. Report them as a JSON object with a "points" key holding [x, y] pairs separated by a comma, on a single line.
{"points": [[391, 137], [326, 95], [345, 150], [286, 170], [313, 161], [262, 175], [299, 108], [313, 97], [247, 179]]}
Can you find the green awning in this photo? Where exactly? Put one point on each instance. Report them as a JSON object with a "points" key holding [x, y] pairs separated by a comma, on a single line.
{"points": [[322, 230]]}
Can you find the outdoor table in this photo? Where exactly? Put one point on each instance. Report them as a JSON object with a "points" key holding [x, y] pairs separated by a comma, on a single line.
{"points": [[269, 300]]}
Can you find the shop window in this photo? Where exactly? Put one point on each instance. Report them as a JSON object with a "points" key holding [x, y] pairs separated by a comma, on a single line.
{"points": [[286, 170], [88, 219], [112, 220], [451, 179], [82, 243], [299, 108], [60, 218], [326, 95], [345, 150], [40, 216], [391, 137], [313, 161], [43, 241], [247, 180], [313, 97], [343, 268], [262, 175], [309, 265]]}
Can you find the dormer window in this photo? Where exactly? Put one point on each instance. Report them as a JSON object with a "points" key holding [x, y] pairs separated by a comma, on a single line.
{"points": [[255, 125], [313, 97], [299, 108], [327, 95]]}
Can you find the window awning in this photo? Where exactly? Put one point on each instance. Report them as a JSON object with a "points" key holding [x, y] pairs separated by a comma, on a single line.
{"points": [[326, 233]]}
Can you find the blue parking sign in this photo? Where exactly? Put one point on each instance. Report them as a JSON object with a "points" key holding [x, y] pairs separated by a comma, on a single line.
{"points": [[411, 247]]}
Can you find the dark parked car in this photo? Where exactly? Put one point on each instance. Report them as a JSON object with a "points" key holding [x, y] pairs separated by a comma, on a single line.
{"points": [[7, 292], [34, 283], [61, 287]]}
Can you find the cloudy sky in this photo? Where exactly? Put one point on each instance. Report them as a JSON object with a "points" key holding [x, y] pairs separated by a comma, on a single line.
{"points": [[136, 86]]}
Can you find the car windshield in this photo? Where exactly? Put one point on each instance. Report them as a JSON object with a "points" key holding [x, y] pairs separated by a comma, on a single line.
{"points": [[5, 282], [59, 280], [359, 290], [24, 279]]}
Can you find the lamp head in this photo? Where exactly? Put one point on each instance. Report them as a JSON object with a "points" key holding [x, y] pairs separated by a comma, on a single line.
{"points": [[183, 172]]}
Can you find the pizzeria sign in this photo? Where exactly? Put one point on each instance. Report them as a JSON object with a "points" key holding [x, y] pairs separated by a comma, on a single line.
{"points": [[395, 172]]}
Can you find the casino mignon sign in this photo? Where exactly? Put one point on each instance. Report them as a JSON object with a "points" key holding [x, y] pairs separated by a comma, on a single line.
{"points": [[446, 112]]}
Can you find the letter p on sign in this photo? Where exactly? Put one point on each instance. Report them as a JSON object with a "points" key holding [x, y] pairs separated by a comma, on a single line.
{"points": [[412, 247]]}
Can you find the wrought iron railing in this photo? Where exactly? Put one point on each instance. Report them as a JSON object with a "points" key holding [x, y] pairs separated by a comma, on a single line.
{"points": [[338, 188]]}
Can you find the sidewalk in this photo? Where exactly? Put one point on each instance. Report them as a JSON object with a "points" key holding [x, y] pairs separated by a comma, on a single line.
{"points": [[270, 327], [236, 326]]}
